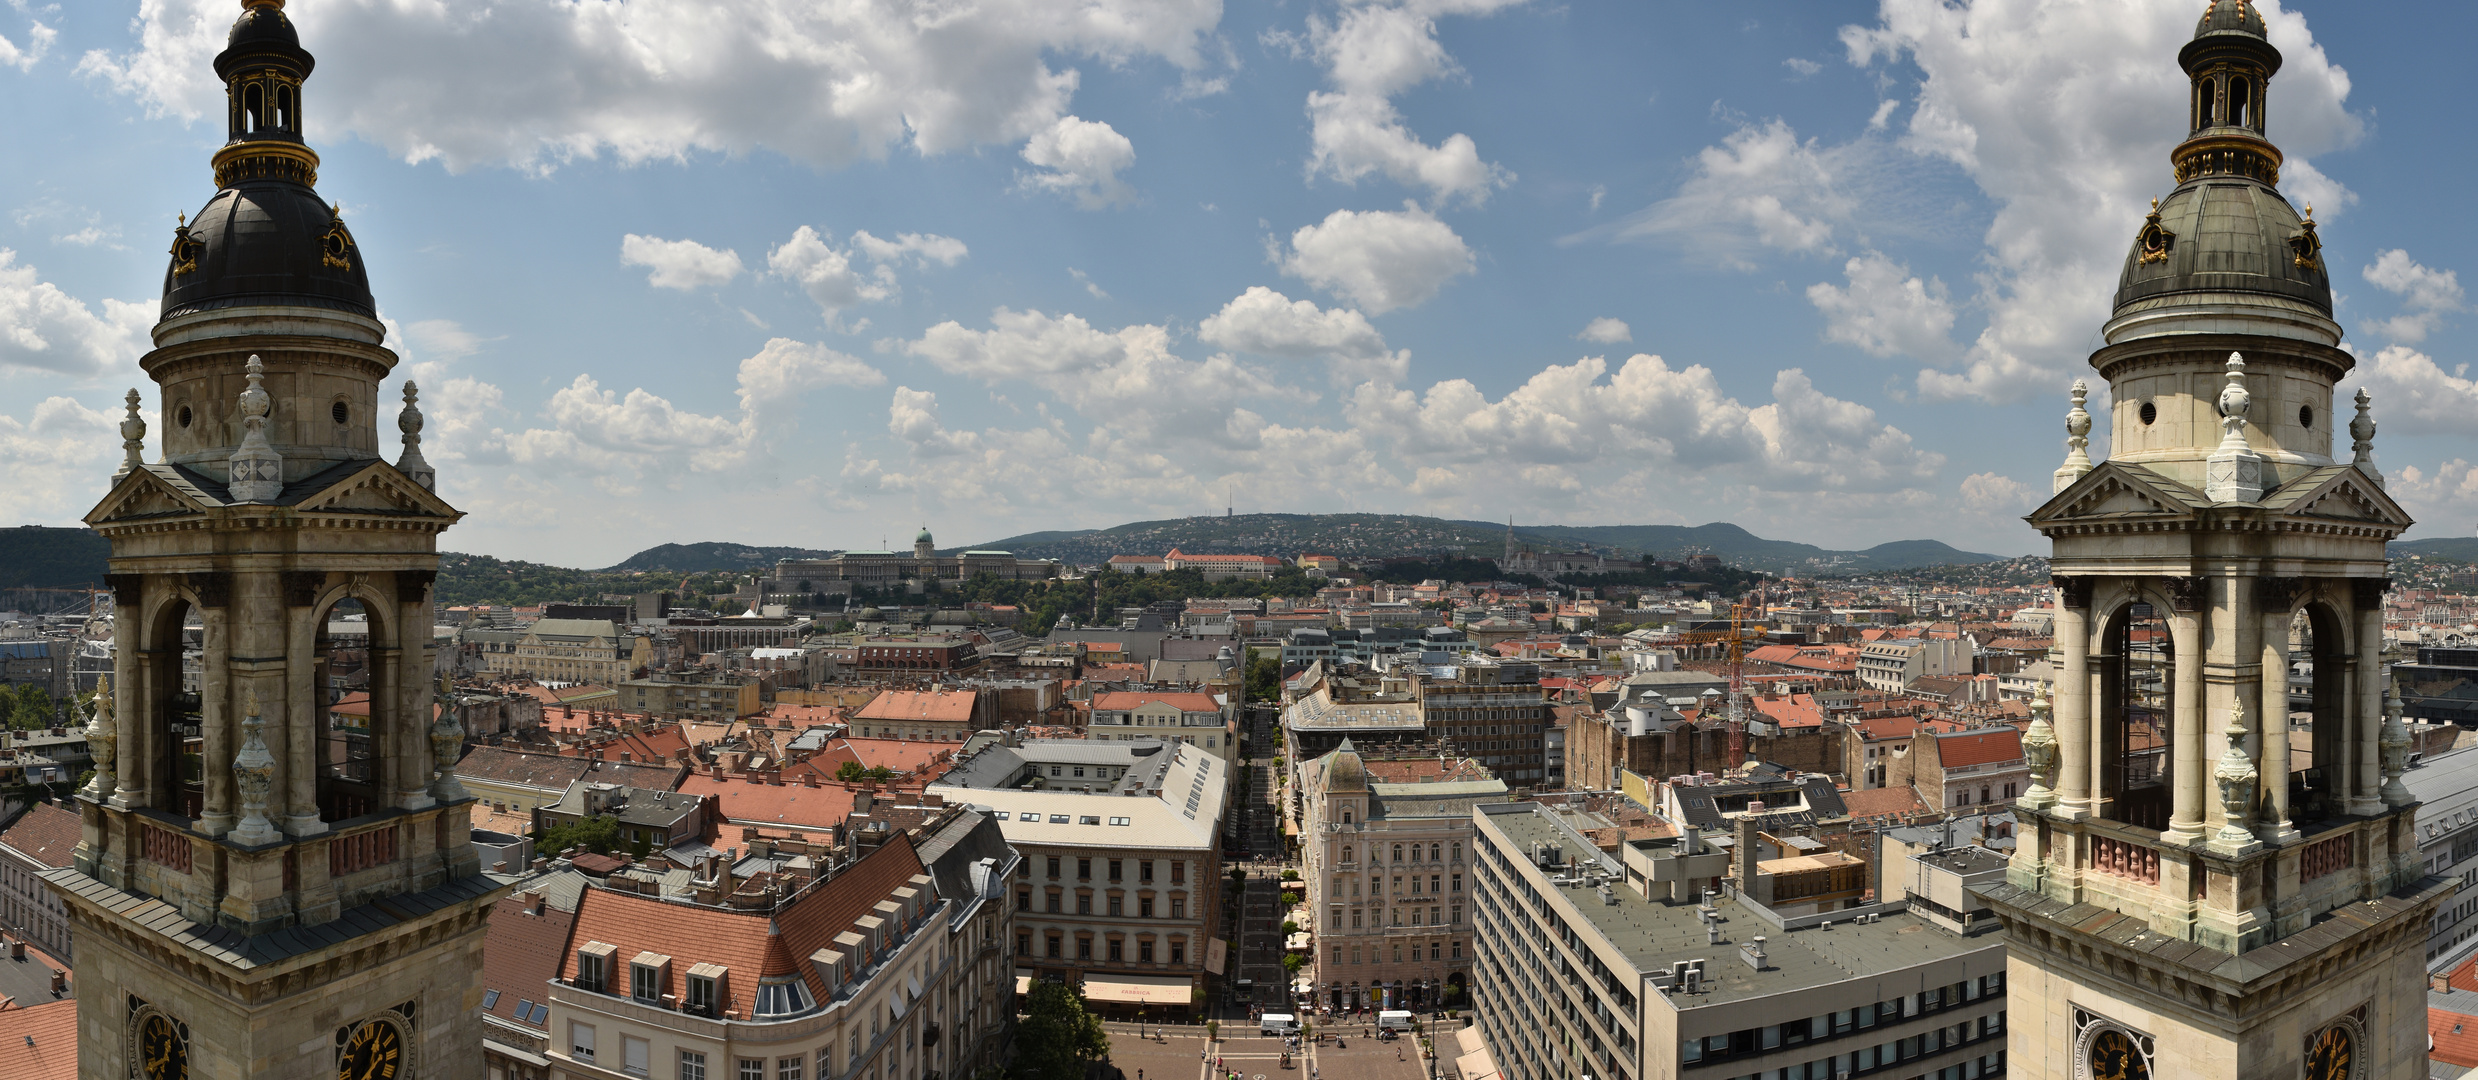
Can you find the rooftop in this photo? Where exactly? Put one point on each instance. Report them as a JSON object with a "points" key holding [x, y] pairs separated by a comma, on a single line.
{"points": [[1653, 934], [45, 834]]}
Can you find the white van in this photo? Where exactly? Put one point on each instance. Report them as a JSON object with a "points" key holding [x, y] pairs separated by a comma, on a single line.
{"points": [[1394, 1020], [1277, 1024]]}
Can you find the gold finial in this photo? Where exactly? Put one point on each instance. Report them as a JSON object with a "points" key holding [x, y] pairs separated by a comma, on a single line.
{"points": [[2155, 204], [2310, 211], [180, 217]]}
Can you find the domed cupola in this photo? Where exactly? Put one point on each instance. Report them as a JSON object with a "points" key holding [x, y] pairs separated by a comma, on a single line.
{"points": [[2223, 263], [266, 237], [267, 272]]}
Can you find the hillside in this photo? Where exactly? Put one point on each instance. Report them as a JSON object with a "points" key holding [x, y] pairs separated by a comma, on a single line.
{"points": [[39, 557], [2454, 548], [1371, 535], [709, 556]]}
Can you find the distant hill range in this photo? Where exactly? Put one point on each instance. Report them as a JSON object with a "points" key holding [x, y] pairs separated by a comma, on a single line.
{"points": [[709, 557], [40, 557], [2454, 548], [1378, 535]]}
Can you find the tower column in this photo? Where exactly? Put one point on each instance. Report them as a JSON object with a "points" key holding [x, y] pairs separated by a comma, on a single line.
{"points": [[2366, 706], [2187, 761], [2073, 703], [2272, 719], [216, 704], [302, 721], [136, 698]]}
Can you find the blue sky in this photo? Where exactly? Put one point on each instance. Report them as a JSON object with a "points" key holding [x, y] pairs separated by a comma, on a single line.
{"points": [[785, 272]]}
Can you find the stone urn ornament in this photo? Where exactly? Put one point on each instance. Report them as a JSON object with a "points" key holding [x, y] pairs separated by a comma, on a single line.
{"points": [[2039, 749], [103, 738], [447, 738], [253, 778], [2236, 775], [2395, 749]]}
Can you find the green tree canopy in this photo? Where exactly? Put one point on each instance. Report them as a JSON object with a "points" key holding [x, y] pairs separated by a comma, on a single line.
{"points": [[599, 835], [1057, 1038]]}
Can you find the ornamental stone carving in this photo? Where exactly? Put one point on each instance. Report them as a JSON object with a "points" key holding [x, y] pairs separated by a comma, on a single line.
{"points": [[132, 438], [2278, 594], [256, 472], [2073, 592], [409, 423], [413, 585], [2362, 439], [2039, 749], [2236, 775], [2235, 472], [2395, 748], [2077, 440], [2368, 592], [2185, 593], [213, 588], [103, 739], [447, 739], [253, 777], [301, 587]]}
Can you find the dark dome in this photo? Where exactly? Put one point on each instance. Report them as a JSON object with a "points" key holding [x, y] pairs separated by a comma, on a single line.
{"points": [[2228, 235], [2235, 16], [268, 242], [262, 32]]}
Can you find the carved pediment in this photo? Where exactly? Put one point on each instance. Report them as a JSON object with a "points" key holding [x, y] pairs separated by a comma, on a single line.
{"points": [[2346, 494], [2115, 491], [143, 495], [376, 489]]}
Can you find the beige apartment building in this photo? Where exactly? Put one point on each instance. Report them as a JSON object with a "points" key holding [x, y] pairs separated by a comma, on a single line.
{"points": [[1119, 889], [565, 650], [1387, 846], [1192, 717]]}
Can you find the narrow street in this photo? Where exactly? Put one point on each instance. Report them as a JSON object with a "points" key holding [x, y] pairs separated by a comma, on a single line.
{"points": [[1260, 914]]}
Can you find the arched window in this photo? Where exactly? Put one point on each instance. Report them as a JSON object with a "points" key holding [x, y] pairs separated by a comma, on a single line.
{"points": [[2133, 715], [1398, 853], [2240, 101], [253, 108], [2206, 103], [284, 119]]}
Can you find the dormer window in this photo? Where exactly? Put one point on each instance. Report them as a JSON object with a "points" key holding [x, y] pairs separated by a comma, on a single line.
{"points": [[649, 977], [594, 963], [705, 990], [783, 995]]}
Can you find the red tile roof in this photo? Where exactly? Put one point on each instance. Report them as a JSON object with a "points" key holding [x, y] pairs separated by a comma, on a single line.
{"points": [[939, 706], [744, 800], [39, 1042], [2453, 1037], [1877, 728], [552, 772], [45, 834], [1879, 802], [752, 944], [1979, 746], [521, 956]]}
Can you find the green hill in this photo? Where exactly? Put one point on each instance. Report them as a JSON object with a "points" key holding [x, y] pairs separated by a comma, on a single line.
{"points": [[39, 557], [2455, 548], [710, 556]]}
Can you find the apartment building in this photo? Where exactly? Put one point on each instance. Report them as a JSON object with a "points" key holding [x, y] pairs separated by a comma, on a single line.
{"points": [[1119, 891], [2446, 786], [1192, 717], [1386, 842], [1652, 963], [1894, 664], [934, 715], [1972, 767], [40, 839], [564, 650], [683, 696], [777, 976], [1492, 710]]}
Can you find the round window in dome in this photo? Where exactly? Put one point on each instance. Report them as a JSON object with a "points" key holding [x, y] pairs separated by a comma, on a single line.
{"points": [[183, 416], [2305, 416], [2150, 412], [341, 413]]}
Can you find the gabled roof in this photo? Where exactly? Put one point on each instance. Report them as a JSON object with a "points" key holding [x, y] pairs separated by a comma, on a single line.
{"points": [[45, 835], [368, 486], [39, 1042], [2337, 492], [521, 956], [927, 706], [1979, 746], [2114, 490]]}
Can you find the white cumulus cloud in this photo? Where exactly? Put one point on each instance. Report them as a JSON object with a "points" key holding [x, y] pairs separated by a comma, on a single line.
{"points": [[679, 264], [45, 329], [1885, 311], [1606, 331], [59, 457], [2426, 295], [1372, 52], [534, 83], [2412, 394], [1378, 259], [1081, 159], [1268, 323]]}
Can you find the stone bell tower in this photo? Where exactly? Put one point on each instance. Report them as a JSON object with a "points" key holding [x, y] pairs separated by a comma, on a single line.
{"points": [[276, 874], [2217, 872]]}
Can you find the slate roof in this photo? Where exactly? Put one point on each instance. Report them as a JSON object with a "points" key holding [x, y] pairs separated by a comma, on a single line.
{"points": [[521, 956], [45, 834]]}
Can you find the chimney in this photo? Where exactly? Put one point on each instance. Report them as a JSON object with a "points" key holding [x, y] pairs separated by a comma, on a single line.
{"points": [[1746, 856]]}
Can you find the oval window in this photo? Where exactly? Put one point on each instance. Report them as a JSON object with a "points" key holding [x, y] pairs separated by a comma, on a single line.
{"points": [[2150, 412], [341, 413], [2305, 416], [183, 416]]}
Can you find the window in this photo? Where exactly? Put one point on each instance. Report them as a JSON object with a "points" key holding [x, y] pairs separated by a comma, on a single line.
{"points": [[1178, 907], [490, 1000], [1084, 903], [825, 1062], [704, 996], [1144, 952], [752, 1069], [1053, 858], [692, 1065], [1126, 821], [645, 980], [788, 1068], [1178, 951], [1178, 873], [1458, 883], [1023, 943], [1114, 869], [635, 1055], [1054, 770], [1084, 948], [1117, 951], [1079, 771], [1084, 869], [1023, 900], [1054, 897], [593, 966], [580, 1041], [1144, 869], [1117, 903], [1144, 907], [1054, 947], [1089, 819]]}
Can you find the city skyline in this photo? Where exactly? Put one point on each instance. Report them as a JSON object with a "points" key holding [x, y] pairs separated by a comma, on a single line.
{"points": [[1033, 272]]}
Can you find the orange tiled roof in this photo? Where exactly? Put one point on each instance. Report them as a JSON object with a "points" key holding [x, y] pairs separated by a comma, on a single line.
{"points": [[39, 1042], [1132, 699], [2454, 1037], [1979, 746], [790, 803], [753, 944], [521, 955], [933, 706], [45, 834]]}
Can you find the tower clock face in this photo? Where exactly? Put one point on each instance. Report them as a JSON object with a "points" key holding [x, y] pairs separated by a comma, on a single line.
{"points": [[162, 1053], [2333, 1055], [2114, 1057], [372, 1052]]}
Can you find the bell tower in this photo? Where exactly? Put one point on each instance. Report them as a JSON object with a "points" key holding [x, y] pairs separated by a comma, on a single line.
{"points": [[2217, 872], [275, 875]]}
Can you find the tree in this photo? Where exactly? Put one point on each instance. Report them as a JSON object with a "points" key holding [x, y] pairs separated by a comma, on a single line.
{"points": [[1264, 679], [1057, 1038], [1292, 962], [595, 834], [1290, 899], [1289, 926]]}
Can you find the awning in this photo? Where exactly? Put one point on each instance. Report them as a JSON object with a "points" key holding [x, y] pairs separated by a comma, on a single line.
{"points": [[1145, 989], [1023, 980], [1475, 1066]]}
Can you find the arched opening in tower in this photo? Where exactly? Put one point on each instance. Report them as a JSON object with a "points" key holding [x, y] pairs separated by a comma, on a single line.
{"points": [[2317, 699], [356, 709], [174, 776], [2138, 676]]}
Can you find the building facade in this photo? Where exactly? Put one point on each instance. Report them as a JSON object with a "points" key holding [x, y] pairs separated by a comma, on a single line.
{"points": [[2234, 916], [1191, 717], [720, 695], [565, 650], [41, 839], [1386, 866], [318, 894]]}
